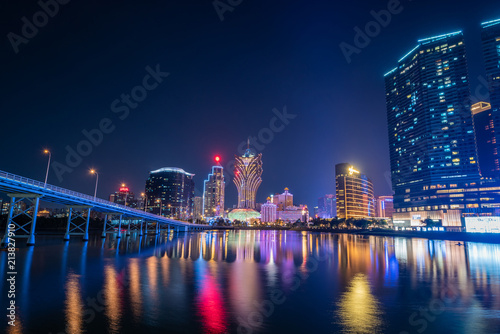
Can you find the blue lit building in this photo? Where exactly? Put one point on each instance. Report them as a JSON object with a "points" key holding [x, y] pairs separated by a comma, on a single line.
{"points": [[490, 34], [431, 135], [213, 192], [170, 193]]}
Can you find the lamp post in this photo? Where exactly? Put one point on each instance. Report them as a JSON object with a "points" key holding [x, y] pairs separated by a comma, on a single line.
{"points": [[160, 202], [93, 171], [48, 167], [145, 201]]}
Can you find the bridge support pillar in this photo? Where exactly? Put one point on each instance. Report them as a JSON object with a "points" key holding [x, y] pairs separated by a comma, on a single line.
{"points": [[14, 230], [119, 228], [86, 233], [128, 229], [103, 234], [140, 231]]}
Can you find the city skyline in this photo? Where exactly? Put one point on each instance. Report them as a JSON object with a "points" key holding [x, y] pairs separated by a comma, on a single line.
{"points": [[325, 105]]}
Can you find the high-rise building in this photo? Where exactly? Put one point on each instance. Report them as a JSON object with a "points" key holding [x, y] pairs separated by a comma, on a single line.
{"points": [[198, 208], [268, 212], [431, 136], [170, 193], [385, 207], [213, 192], [484, 130], [355, 197], [490, 34], [124, 197], [283, 200], [247, 178], [327, 206]]}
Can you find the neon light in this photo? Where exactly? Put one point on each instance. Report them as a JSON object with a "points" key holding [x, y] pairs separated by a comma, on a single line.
{"points": [[390, 72], [439, 37], [409, 53], [352, 171], [490, 23]]}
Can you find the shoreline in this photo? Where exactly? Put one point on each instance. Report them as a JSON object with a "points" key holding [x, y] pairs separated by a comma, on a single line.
{"points": [[491, 238]]}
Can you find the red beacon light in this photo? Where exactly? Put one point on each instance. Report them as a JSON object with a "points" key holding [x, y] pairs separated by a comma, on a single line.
{"points": [[217, 158]]}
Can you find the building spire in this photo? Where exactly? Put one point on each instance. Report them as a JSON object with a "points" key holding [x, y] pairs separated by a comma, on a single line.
{"points": [[248, 143]]}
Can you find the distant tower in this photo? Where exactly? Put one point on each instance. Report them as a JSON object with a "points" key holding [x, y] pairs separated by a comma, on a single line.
{"points": [[247, 178], [213, 193]]}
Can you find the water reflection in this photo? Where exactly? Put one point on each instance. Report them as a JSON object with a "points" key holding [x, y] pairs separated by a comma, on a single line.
{"points": [[359, 311], [217, 282]]}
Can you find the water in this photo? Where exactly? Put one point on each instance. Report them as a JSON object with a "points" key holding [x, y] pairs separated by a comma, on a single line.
{"points": [[255, 282]]}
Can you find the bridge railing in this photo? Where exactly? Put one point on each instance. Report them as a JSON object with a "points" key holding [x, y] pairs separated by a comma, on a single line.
{"points": [[59, 190]]}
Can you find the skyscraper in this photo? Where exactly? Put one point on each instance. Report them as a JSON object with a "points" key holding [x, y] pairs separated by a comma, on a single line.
{"points": [[247, 178], [124, 197], [354, 191], [213, 192], [170, 193], [431, 137], [490, 34], [197, 208], [484, 129], [327, 206]]}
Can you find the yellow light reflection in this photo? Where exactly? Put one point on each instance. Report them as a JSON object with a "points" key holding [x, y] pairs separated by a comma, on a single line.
{"points": [[113, 299], [358, 310], [74, 305]]}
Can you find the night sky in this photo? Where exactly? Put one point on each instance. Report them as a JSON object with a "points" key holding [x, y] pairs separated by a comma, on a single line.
{"points": [[225, 78]]}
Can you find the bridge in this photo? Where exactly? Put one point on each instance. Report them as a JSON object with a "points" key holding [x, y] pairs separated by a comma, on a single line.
{"points": [[29, 191]]}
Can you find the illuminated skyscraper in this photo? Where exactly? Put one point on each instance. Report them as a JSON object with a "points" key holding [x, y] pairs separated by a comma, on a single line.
{"points": [[385, 207], [247, 178], [355, 197], [170, 193], [198, 207], [431, 136], [490, 34], [327, 206], [213, 192], [484, 129], [284, 200], [124, 197]]}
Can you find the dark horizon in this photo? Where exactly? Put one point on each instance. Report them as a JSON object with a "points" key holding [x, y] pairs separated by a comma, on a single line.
{"points": [[224, 80]]}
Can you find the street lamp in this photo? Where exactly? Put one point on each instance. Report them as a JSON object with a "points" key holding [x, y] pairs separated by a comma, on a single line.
{"points": [[48, 166], [93, 171], [144, 198]]}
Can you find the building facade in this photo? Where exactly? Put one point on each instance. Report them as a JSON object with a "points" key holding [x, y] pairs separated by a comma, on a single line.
{"points": [[431, 136], [213, 193], [198, 208], [283, 200], [294, 213], [385, 206], [247, 178], [354, 192], [124, 197], [268, 212], [170, 193], [484, 129], [327, 207]]}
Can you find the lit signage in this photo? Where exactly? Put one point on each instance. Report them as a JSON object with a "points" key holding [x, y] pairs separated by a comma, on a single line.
{"points": [[352, 171], [482, 224], [124, 190]]}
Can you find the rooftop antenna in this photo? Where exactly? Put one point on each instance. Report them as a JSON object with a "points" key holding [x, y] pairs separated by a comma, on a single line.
{"points": [[248, 143]]}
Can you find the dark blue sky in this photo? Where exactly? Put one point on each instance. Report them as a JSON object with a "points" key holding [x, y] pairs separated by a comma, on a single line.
{"points": [[225, 79]]}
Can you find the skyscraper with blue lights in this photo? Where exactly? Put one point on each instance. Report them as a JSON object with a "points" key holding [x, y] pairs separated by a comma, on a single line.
{"points": [[431, 135]]}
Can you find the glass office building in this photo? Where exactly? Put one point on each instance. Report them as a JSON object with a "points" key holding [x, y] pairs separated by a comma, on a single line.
{"points": [[431, 135], [354, 192], [170, 193]]}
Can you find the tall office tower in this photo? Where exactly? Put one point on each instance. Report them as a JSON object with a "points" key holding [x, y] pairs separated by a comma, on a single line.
{"points": [[213, 192], [327, 206], [490, 34], [247, 178], [170, 193], [484, 129], [284, 200], [198, 208], [355, 197], [431, 136], [124, 197], [385, 207], [268, 212]]}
